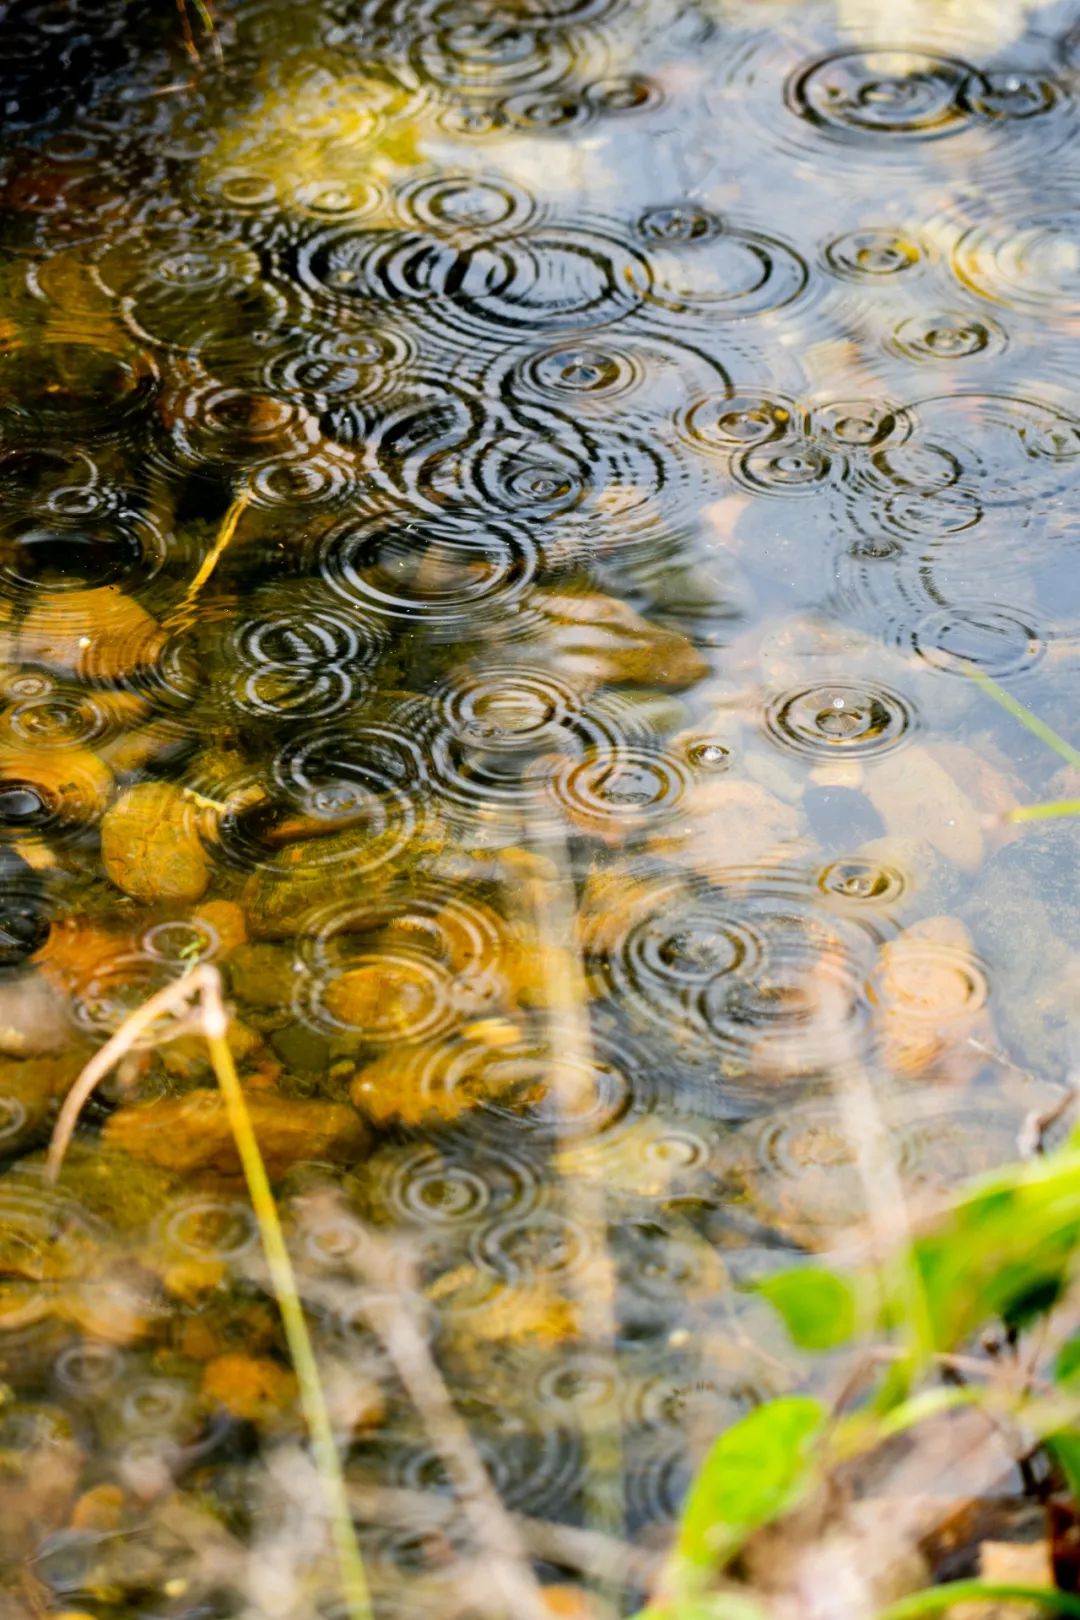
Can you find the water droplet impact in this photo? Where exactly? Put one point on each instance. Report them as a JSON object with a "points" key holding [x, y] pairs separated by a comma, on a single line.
{"points": [[710, 756], [1028, 262], [984, 635], [948, 336], [862, 881], [863, 96], [873, 252], [853, 721]]}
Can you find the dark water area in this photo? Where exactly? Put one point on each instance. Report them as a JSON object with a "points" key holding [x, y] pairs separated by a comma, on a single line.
{"points": [[520, 521]]}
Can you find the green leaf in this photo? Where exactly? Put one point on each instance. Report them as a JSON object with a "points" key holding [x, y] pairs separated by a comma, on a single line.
{"points": [[1067, 1367], [752, 1474], [938, 1599], [1064, 1447], [818, 1306], [1005, 1249]]}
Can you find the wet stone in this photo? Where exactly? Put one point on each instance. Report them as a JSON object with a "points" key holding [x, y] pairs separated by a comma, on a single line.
{"points": [[30, 1087], [34, 1017], [263, 975], [841, 818], [192, 1133], [99, 634], [150, 845], [281, 896], [1024, 918]]}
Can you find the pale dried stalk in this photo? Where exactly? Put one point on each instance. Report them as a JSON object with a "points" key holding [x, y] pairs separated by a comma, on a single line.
{"points": [[494, 1529], [549, 885], [492, 1526], [887, 1211], [869, 1552], [174, 999], [200, 991], [589, 1551], [206, 17]]}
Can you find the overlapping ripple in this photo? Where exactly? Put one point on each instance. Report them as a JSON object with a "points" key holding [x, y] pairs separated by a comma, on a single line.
{"points": [[751, 968], [546, 345]]}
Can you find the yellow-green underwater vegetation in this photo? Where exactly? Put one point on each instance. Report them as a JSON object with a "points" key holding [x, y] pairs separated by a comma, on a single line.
{"points": [[539, 769]]}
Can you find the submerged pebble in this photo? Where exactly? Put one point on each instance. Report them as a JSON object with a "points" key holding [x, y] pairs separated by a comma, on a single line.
{"points": [[192, 1133], [523, 530], [150, 845]]}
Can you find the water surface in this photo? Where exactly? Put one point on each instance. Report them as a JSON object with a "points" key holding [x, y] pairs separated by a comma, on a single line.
{"points": [[503, 504]]}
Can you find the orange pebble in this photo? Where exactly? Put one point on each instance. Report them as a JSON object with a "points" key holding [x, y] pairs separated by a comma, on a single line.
{"points": [[248, 1386], [227, 920], [100, 1508]]}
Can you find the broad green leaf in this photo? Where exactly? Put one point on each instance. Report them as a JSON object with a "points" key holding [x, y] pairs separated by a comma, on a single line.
{"points": [[1005, 1250], [818, 1306], [753, 1473]]}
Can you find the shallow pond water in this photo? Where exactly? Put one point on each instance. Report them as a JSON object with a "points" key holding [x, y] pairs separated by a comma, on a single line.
{"points": [[520, 523]]}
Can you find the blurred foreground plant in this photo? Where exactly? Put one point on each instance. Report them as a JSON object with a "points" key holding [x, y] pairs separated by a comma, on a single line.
{"points": [[1005, 1251]]}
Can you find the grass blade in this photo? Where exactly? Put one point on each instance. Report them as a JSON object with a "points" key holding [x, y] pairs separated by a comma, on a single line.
{"points": [[1021, 712], [312, 1399], [1046, 811], [936, 1599]]}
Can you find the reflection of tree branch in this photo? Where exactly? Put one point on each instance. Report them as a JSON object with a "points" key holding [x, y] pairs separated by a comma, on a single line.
{"points": [[213, 556]]}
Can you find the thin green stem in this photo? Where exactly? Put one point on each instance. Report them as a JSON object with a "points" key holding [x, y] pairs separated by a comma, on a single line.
{"points": [[1045, 811], [203, 985], [1019, 711], [312, 1398]]}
